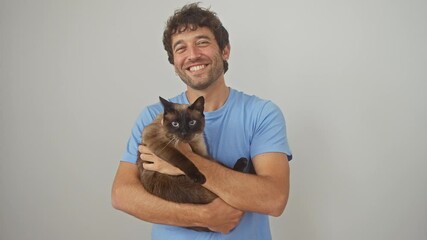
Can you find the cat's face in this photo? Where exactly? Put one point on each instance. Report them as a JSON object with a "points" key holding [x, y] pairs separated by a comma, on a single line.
{"points": [[183, 122]]}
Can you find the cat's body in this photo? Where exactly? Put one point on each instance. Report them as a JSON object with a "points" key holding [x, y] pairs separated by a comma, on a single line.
{"points": [[178, 122]]}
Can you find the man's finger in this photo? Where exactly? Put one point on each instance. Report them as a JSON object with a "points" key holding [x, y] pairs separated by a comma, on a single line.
{"points": [[144, 149], [148, 165]]}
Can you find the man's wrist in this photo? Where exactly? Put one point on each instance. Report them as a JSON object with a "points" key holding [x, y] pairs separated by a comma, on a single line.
{"points": [[202, 216]]}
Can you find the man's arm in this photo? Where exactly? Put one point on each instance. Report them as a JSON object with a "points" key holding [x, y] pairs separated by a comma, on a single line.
{"points": [[266, 192], [129, 195]]}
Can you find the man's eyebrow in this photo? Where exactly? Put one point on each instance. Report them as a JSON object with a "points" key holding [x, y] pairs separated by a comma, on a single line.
{"points": [[203, 37], [197, 37]]}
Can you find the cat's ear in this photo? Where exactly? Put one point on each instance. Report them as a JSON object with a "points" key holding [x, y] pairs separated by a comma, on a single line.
{"points": [[167, 106], [199, 104]]}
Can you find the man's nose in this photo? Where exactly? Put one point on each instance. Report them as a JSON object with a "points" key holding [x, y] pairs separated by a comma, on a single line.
{"points": [[194, 53]]}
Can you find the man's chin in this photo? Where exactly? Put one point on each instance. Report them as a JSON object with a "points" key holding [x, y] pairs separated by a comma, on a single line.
{"points": [[197, 86]]}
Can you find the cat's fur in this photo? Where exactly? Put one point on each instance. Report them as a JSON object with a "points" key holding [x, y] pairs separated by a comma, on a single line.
{"points": [[178, 123]]}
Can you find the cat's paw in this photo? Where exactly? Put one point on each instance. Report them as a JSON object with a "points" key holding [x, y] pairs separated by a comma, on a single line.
{"points": [[241, 164], [198, 177]]}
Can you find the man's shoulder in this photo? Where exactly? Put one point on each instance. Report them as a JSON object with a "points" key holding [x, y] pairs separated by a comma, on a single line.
{"points": [[253, 102], [152, 110]]}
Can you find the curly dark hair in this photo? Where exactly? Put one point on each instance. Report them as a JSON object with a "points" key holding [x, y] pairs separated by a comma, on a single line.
{"points": [[191, 16]]}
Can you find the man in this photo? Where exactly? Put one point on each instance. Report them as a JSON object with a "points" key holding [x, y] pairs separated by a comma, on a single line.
{"points": [[237, 125]]}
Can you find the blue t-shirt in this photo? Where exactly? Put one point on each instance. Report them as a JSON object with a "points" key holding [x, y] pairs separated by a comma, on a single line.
{"points": [[244, 126]]}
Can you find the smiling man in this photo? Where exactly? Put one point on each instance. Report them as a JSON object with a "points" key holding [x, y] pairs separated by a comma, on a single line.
{"points": [[237, 125], [197, 58]]}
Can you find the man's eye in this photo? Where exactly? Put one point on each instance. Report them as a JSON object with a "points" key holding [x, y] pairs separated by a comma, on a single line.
{"points": [[203, 43], [192, 122], [175, 124], [179, 49]]}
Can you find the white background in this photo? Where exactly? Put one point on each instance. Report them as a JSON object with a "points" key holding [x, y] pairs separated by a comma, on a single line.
{"points": [[350, 77]]}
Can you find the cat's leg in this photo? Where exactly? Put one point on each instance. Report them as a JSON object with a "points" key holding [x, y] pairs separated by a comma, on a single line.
{"points": [[179, 160], [243, 165]]}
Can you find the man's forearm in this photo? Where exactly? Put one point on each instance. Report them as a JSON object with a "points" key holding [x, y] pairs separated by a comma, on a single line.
{"points": [[129, 195], [267, 192]]}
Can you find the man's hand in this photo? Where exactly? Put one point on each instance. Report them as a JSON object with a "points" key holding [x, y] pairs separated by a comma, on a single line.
{"points": [[218, 215], [154, 163], [221, 217]]}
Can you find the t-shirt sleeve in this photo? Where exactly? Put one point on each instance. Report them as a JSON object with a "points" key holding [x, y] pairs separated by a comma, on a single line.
{"points": [[270, 132], [131, 151]]}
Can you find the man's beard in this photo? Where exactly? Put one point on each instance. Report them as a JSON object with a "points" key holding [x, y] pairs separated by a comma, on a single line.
{"points": [[217, 68]]}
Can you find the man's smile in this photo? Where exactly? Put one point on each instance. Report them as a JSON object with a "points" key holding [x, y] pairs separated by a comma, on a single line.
{"points": [[197, 68]]}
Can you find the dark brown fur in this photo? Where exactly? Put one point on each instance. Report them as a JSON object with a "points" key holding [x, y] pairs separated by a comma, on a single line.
{"points": [[161, 138]]}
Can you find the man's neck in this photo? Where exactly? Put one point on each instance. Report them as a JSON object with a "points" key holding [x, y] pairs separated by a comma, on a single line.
{"points": [[215, 96]]}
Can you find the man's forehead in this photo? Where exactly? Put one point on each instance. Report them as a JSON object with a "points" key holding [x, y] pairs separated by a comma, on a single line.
{"points": [[186, 31]]}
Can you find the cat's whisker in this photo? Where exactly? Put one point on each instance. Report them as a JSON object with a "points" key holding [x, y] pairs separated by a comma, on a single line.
{"points": [[176, 140], [167, 144]]}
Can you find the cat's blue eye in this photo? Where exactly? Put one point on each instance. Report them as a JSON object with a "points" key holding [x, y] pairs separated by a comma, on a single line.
{"points": [[175, 124], [192, 122]]}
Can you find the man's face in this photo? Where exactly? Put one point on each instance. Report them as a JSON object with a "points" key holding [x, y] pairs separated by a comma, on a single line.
{"points": [[197, 58]]}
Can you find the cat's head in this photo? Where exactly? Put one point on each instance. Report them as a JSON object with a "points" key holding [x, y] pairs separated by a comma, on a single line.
{"points": [[183, 121]]}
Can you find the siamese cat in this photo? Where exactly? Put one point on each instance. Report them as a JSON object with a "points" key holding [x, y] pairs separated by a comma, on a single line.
{"points": [[179, 123]]}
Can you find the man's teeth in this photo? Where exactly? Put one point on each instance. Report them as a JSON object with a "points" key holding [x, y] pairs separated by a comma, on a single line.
{"points": [[196, 68]]}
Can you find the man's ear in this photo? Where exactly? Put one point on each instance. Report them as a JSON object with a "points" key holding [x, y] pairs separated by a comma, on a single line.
{"points": [[226, 52]]}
